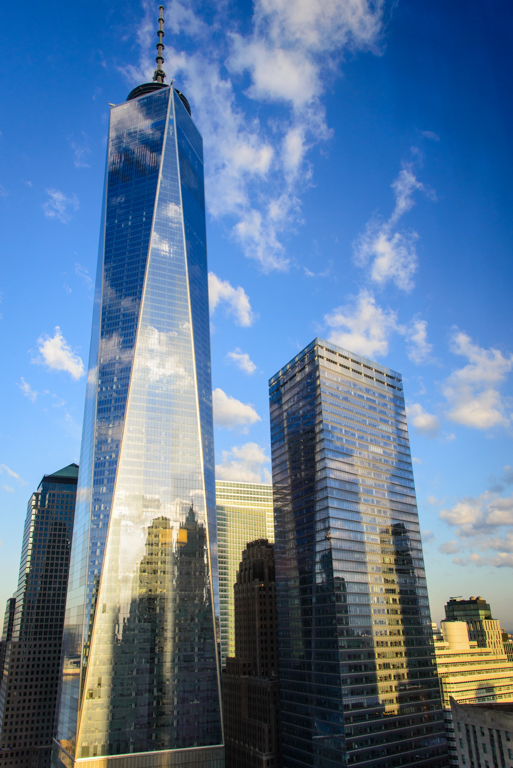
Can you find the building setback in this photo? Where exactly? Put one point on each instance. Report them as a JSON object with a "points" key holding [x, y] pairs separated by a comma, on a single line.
{"points": [[28, 691], [469, 674], [357, 669], [141, 680], [244, 513], [250, 680], [482, 627]]}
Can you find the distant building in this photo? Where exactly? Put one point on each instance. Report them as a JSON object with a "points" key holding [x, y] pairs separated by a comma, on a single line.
{"points": [[7, 631], [482, 628], [250, 680], [469, 674], [28, 690], [358, 680], [484, 734], [507, 641], [244, 513]]}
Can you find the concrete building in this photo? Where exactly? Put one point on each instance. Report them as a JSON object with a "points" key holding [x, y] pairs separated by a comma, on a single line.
{"points": [[244, 513], [482, 627], [484, 734], [250, 680], [469, 674]]}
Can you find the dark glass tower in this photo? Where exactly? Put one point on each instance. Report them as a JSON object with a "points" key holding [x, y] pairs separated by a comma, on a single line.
{"points": [[141, 679], [358, 679], [33, 626]]}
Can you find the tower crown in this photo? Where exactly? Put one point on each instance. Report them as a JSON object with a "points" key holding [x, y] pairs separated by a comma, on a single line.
{"points": [[159, 75]]}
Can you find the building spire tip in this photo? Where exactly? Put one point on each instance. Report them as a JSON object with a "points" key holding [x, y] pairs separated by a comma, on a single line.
{"points": [[159, 75]]}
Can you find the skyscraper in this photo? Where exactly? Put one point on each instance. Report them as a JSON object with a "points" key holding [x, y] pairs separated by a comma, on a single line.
{"points": [[33, 635], [357, 669], [141, 665], [244, 513]]}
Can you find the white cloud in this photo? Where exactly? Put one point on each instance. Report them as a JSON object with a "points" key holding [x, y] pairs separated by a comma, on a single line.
{"points": [[362, 326], [424, 422], [56, 354], [27, 390], [498, 484], [84, 274], [420, 349], [80, 151], [236, 300], [12, 473], [8, 488], [391, 254], [242, 360], [472, 393], [231, 413], [449, 547], [431, 135], [245, 463], [57, 206], [427, 536], [256, 169]]}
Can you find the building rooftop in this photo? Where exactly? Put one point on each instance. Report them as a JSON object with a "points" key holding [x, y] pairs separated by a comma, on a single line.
{"points": [[67, 474]]}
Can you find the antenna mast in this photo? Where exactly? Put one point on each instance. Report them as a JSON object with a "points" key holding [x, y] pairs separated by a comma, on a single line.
{"points": [[159, 75]]}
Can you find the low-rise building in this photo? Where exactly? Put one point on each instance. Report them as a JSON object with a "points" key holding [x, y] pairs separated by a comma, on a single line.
{"points": [[484, 734]]}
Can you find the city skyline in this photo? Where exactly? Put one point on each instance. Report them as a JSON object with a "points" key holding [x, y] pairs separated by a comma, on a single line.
{"points": [[381, 142]]}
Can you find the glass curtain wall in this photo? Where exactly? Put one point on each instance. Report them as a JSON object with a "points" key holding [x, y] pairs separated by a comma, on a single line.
{"points": [[357, 669], [147, 497]]}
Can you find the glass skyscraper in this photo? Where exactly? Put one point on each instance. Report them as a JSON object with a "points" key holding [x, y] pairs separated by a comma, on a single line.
{"points": [[244, 513], [358, 679], [141, 677], [33, 625]]}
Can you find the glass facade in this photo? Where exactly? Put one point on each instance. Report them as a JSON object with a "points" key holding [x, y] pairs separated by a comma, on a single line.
{"points": [[357, 668], [34, 621], [244, 513], [141, 662]]}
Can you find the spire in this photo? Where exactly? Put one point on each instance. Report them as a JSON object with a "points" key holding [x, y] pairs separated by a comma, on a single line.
{"points": [[159, 75]]}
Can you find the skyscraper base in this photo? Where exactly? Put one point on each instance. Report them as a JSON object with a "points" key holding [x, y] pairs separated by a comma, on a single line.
{"points": [[199, 757]]}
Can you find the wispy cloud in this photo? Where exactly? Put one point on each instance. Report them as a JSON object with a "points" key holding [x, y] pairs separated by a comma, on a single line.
{"points": [[245, 463], [293, 49], [4, 469], [419, 350], [472, 392], [391, 254], [242, 360], [58, 205], [231, 413], [27, 390], [3, 192], [81, 151], [57, 355], [235, 300], [84, 274], [430, 135], [426, 423], [362, 326]]}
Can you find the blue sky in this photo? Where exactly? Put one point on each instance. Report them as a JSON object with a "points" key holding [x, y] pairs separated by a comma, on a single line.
{"points": [[358, 163]]}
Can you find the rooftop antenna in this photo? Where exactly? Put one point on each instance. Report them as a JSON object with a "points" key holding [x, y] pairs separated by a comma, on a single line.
{"points": [[159, 75]]}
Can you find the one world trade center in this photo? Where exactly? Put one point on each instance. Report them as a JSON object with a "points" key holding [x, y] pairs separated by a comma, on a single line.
{"points": [[140, 685]]}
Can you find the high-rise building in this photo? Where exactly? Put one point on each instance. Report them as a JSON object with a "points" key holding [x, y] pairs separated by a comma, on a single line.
{"points": [[33, 635], [141, 679], [250, 680], [244, 513], [482, 627], [357, 668], [484, 735], [10, 609], [469, 674]]}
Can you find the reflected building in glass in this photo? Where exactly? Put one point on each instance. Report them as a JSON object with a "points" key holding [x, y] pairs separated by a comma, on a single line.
{"points": [[141, 677], [358, 680], [244, 513]]}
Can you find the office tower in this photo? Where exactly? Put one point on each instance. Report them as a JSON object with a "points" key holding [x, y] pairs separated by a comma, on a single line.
{"points": [[484, 734], [33, 633], [138, 645], [482, 628], [469, 674], [7, 631], [250, 680], [357, 669], [244, 513]]}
